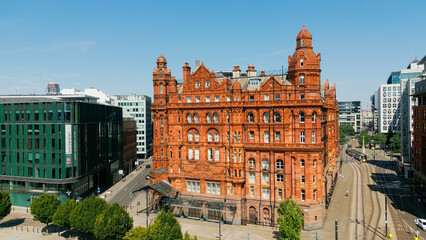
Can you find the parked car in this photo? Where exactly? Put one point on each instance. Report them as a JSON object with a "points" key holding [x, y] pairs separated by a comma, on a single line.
{"points": [[421, 223], [148, 166]]}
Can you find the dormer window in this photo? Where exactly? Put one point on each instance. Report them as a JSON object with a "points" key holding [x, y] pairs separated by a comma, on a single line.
{"points": [[254, 82], [301, 62]]}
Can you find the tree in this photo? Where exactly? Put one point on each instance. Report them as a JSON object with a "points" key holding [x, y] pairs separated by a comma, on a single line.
{"points": [[380, 138], [113, 223], [164, 227], [346, 130], [290, 220], [367, 138], [83, 217], [61, 218], [5, 204], [389, 135], [396, 143], [136, 233], [188, 237], [44, 207]]}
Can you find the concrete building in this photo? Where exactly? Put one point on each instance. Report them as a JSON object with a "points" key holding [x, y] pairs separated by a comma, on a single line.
{"points": [[245, 141], [52, 88], [388, 108], [139, 107], [67, 145], [129, 144], [350, 114], [101, 97], [367, 117]]}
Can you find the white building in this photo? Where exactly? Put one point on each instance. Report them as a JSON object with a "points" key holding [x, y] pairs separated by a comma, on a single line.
{"points": [[388, 108], [139, 107], [103, 98], [367, 119]]}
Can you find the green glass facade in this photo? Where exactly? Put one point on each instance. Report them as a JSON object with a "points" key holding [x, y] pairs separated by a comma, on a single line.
{"points": [[58, 147]]}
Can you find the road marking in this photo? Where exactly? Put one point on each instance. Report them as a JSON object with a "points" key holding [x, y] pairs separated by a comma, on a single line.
{"points": [[125, 189]]}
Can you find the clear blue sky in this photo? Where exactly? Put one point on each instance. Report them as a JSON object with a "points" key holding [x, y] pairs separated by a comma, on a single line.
{"points": [[113, 45]]}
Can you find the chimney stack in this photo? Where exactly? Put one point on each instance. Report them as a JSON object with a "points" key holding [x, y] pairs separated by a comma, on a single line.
{"points": [[262, 72], [186, 73], [251, 71], [197, 64], [236, 72]]}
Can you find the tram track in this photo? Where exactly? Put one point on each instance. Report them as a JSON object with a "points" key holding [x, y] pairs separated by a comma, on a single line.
{"points": [[358, 202]]}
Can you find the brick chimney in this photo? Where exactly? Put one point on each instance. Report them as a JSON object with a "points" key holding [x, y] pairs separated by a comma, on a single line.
{"points": [[262, 72], [251, 71], [236, 72], [186, 73]]}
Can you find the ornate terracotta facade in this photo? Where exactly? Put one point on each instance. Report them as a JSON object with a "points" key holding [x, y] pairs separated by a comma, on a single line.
{"points": [[248, 138]]}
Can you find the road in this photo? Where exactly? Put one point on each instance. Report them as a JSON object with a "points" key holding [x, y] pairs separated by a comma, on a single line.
{"points": [[376, 183], [122, 197]]}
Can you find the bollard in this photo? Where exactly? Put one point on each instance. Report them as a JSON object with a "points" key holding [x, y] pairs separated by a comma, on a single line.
{"points": [[27, 228]]}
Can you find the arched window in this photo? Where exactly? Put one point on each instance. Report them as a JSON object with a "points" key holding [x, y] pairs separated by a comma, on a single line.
{"points": [[302, 117], [216, 137], [197, 137], [302, 43], [189, 118], [209, 137], [314, 163], [301, 62], [196, 118], [314, 116], [277, 117], [190, 137], [280, 164], [302, 79], [161, 88], [266, 117], [209, 118], [250, 118], [252, 163], [265, 164], [302, 163], [216, 118]]}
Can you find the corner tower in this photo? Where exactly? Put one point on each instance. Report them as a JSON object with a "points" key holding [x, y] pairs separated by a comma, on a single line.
{"points": [[304, 66]]}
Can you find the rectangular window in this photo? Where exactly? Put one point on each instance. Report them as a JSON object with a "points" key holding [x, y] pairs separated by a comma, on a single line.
{"points": [[209, 137], [228, 98], [314, 179], [303, 195], [252, 177], [265, 192], [266, 137], [216, 98], [280, 178], [190, 153], [251, 98], [193, 186], [277, 136], [216, 154], [189, 137], [208, 188], [277, 96], [209, 154], [280, 194], [197, 154], [251, 191], [313, 137], [302, 96], [197, 99], [302, 178], [207, 98], [251, 134], [265, 178], [266, 97], [302, 136], [188, 99], [197, 137], [315, 195], [216, 137]]}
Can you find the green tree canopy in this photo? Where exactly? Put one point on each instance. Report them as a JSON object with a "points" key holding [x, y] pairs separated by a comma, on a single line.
{"points": [[396, 143], [61, 218], [380, 138], [389, 135], [5, 204], [113, 223], [367, 138], [164, 227], [136, 233], [44, 207], [188, 237], [83, 216], [346, 130], [290, 220]]}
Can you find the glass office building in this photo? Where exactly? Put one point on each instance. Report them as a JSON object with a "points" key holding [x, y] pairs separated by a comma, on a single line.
{"points": [[67, 146], [350, 114]]}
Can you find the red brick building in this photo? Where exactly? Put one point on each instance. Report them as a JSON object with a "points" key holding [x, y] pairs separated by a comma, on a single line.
{"points": [[248, 139], [419, 139]]}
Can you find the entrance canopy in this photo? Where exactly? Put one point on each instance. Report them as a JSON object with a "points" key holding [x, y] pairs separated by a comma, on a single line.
{"points": [[204, 204], [162, 187]]}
